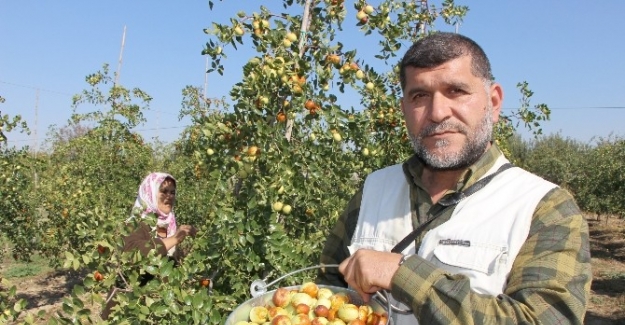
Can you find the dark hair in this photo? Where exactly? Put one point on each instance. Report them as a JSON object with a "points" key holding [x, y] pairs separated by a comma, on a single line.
{"points": [[440, 47]]}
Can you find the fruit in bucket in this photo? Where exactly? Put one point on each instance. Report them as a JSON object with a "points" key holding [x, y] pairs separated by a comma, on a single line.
{"points": [[310, 288], [259, 314], [281, 320], [364, 311], [319, 321], [301, 298], [276, 311], [324, 293], [300, 319], [348, 312], [310, 304], [321, 311], [302, 309], [282, 297], [337, 300]]}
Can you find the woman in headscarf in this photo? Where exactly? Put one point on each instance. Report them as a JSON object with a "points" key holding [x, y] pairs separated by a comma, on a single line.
{"points": [[157, 229], [156, 198]]}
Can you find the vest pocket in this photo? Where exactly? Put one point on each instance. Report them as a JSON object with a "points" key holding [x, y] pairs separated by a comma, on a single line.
{"points": [[482, 257]]}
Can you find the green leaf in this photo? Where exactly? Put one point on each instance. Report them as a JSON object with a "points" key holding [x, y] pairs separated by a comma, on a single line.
{"points": [[76, 264], [198, 301], [78, 290], [78, 303], [160, 309], [84, 313], [88, 282], [166, 269], [175, 308], [86, 259], [67, 308]]}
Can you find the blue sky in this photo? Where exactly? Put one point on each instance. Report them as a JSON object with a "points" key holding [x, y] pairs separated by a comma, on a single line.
{"points": [[570, 52]]}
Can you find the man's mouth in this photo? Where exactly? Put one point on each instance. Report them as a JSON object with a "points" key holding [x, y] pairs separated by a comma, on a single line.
{"points": [[442, 133]]}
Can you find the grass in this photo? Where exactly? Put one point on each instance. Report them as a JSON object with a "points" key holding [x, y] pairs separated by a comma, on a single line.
{"points": [[20, 271], [10, 268]]}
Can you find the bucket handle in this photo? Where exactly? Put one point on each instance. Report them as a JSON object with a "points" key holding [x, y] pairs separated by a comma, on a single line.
{"points": [[259, 287]]}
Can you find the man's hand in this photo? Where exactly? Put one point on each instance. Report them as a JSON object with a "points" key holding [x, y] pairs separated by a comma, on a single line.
{"points": [[368, 271]]}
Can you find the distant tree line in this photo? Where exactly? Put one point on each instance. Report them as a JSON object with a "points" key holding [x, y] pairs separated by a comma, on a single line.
{"points": [[593, 172]]}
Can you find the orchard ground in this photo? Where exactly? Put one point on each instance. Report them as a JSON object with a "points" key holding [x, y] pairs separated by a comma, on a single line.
{"points": [[45, 289]]}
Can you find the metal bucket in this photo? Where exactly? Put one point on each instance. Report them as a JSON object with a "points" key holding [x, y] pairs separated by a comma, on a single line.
{"points": [[242, 312]]}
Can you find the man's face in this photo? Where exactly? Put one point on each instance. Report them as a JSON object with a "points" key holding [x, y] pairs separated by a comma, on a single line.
{"points": [[449, 113]]}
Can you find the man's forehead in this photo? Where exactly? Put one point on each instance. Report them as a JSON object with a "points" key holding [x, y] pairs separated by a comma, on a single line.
{"points": [[450, 74]]}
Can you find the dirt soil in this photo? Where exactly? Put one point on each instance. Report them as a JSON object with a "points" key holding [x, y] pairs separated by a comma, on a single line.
{"points": [[606, 305]]}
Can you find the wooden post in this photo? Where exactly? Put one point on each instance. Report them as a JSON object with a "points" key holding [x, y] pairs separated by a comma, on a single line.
{"points": [[121, 55], [302, 40]]}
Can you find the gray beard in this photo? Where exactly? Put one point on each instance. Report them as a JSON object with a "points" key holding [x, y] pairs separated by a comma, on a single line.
{"points": [[473, 149]]}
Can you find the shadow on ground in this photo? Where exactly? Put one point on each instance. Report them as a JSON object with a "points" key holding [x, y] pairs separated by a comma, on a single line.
{"points": [[608, 243], [57, 285], [592, 319]]}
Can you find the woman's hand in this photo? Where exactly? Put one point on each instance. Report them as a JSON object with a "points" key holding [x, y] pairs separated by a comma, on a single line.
{"points": [[181, 233]]}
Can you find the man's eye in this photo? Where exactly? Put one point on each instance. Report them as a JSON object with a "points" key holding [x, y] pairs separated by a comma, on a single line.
{"points": [[458, 91]]}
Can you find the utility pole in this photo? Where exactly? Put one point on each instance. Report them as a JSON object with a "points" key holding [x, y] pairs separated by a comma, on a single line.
{"points": [[35, 146], [121, 55]]}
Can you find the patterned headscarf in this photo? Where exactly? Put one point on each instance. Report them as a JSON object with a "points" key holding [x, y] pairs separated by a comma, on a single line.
{"points": [[147, 201]]}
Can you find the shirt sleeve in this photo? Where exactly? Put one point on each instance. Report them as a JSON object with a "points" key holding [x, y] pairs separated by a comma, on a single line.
{"points": [[549, 282], [335, 249], [143, 240]]}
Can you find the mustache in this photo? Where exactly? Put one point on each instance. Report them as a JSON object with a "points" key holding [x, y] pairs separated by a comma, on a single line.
{"points": [[442, 127]]}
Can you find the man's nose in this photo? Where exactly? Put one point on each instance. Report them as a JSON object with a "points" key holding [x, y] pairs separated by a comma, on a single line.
{"points": [[440, 108]]}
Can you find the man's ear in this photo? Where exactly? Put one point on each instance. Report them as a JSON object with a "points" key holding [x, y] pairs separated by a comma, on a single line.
{"points": [[496, 100]]}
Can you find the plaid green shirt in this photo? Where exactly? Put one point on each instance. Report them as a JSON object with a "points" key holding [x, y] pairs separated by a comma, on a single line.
{"points": [[549, 282]]}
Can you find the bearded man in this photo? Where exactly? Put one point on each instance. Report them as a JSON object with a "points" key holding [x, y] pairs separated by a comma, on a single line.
{"points": [[456, 234]]}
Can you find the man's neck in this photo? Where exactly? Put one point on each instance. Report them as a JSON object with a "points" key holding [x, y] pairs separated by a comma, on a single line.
{"points": [[438, 182]]}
